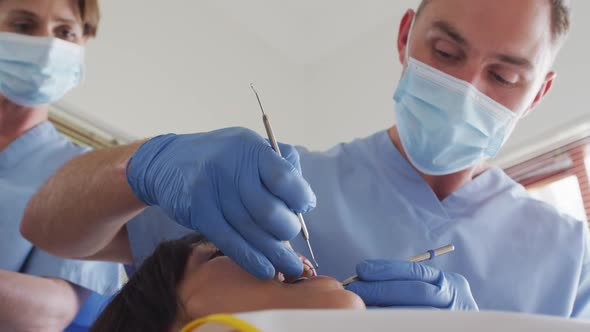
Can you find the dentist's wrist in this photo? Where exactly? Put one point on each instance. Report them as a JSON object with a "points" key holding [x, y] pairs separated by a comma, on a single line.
{"points": [[138, 167]]}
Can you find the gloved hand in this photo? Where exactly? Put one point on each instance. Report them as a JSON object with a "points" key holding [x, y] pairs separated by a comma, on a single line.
{"points": [[395, 283], [231, 186]]}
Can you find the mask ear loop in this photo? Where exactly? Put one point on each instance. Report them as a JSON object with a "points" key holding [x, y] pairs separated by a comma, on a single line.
{"points": [[407, 52], [512, 126], [519, 116]]}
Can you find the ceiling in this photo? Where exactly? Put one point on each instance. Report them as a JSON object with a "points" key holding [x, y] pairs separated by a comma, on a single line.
{"points": [[307, 30], [184, 65], [326, 70]]}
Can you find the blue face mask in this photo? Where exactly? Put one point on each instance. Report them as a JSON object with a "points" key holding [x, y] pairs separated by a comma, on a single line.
{"points": [[445, 124], [37, 71]]}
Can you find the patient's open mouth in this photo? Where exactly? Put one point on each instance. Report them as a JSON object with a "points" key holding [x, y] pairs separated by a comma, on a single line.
{"points": [[312, 278], [299, 280]]}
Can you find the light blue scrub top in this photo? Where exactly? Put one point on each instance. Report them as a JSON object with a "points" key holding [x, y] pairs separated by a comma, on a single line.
{"points": [[517, 253], [24, 166]]}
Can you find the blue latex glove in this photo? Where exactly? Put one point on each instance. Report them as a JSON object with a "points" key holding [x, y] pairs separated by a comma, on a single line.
{"points": [[231, 186], [395, 283]]}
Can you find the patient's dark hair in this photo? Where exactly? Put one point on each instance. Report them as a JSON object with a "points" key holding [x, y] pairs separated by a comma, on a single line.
{"points": [[148, 302]]}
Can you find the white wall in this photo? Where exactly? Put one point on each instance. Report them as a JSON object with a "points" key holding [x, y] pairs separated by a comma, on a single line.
{"points": [[184, 66], [349, 93], [155, 70]]}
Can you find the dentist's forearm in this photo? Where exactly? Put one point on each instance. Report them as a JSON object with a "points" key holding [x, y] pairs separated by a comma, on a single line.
{"points": [[83, 208]]}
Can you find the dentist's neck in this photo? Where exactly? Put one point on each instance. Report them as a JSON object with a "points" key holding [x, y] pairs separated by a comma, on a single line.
{"points": [[15, 120], [441, 185]]}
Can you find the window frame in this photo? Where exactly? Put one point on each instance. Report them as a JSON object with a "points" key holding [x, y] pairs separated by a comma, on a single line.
{"points": [[577, 153]]}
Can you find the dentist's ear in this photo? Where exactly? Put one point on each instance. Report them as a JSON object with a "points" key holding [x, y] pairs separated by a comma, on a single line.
{"points": [[403, 33], [543, 91]]}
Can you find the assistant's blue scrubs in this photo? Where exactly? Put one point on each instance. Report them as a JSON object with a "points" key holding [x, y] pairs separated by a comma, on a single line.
{"points": [[24, 166], [517, 253]]}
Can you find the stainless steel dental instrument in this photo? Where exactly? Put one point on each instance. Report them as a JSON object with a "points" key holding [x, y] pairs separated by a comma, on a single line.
{"points": [[430, 254], [275, 146]]}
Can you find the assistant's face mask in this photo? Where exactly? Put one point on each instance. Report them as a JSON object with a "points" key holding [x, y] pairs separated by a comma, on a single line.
{"points": [[446, 124], [36, 71]]}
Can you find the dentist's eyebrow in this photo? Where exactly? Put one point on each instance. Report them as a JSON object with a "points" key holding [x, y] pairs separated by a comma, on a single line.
{"points": [[456, 36], [452, 32], [67, 21], [23, 13], [514, 60]]}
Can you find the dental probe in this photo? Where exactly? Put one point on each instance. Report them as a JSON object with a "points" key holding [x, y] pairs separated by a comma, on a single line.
{"points": [[275, 146], [430, 254]]}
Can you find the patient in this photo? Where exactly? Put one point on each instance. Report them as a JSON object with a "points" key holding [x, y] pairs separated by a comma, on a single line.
{"points": [[190, 278]]}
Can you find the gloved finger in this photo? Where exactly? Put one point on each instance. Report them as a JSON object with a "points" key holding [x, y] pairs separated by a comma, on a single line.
{"points": [[291, 155], [400, 293], [268, 211], [282, 257], [285, 181], [206, 217], [382, 269]]}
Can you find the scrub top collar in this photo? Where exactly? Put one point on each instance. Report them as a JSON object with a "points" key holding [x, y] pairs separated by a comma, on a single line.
{"points": [[392, 159], [28, 142], [400, 172]]}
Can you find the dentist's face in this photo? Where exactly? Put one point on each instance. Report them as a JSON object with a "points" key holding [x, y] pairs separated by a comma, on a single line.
{"points": [[43, 18], [503, 47], [40, 18]]}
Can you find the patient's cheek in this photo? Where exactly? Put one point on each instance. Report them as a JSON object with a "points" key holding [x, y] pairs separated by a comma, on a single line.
{"points": [[220, 285], [326, 293]]}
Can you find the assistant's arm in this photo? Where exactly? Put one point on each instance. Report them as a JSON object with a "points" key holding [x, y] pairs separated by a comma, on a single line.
{"points": [[37, 304]]}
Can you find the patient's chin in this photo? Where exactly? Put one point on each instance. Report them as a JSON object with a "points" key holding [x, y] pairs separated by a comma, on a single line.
{"points": [[353, 301]]}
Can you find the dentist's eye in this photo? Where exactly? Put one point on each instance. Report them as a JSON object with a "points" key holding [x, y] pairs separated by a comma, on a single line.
{"points": [[66, 33], [445, 55], [446, 51], [505, 79], [24, 27]]}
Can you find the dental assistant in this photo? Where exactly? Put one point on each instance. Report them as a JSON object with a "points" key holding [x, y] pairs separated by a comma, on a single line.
{"points": [[472, 70], [41, 59]]}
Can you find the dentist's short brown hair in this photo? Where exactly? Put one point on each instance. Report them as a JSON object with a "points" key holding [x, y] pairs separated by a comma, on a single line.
{"points": [[90, 13], [560, 17]]}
